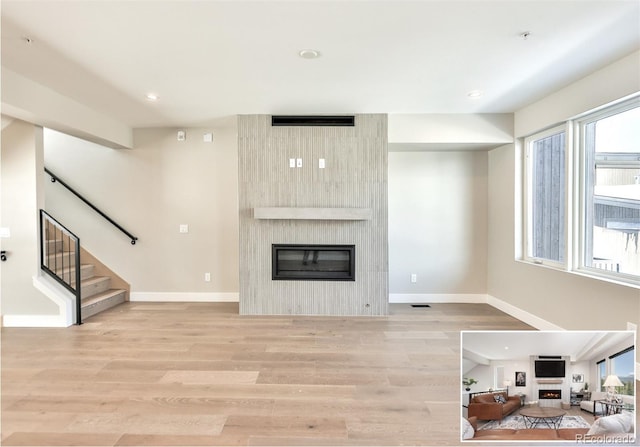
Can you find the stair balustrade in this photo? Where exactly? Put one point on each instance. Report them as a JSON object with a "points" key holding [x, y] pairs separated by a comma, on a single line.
{"points": [[60, 257]]}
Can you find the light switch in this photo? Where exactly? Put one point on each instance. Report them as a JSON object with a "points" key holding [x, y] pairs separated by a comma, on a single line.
{"points": [[184, 228], [299, 162], [207, 138], [292, 162], [321, 163]]}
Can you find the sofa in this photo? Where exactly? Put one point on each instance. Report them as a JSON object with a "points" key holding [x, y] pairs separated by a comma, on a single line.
{"points": [[487, 407]]}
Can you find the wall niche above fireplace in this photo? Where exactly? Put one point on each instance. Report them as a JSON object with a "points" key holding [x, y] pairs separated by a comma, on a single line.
{"points": [[313, 262]]}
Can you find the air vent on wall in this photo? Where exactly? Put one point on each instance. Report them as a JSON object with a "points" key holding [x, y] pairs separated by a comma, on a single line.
{"points": [[320, 120], [550, 357]]}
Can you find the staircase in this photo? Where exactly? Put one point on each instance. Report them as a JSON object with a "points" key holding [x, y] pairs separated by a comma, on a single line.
{"points": [[95, 287]]}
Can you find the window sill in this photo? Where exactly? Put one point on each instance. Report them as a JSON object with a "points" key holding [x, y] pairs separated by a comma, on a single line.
{"points": [[585, 274]]}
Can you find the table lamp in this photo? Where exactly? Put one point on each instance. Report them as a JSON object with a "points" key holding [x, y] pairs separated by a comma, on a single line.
{"points": [[611, 383]]}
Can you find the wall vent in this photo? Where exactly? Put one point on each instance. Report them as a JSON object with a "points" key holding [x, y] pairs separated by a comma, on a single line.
{"points": [[550, 357], [313, 120]]}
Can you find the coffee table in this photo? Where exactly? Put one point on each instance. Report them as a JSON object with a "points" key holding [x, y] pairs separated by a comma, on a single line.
{"points": [[551, 417]]}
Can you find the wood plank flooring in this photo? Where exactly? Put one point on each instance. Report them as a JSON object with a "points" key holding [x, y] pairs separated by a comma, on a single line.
{"points": [[178, 374]]}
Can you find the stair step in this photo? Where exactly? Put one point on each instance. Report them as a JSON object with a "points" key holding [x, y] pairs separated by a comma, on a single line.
{"points": [[86, 272], [94, 286], [56, 246], [62, 259], [102, 301]]}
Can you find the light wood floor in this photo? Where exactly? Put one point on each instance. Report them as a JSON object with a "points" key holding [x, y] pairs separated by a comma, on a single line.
{"points": [[200, 374]]}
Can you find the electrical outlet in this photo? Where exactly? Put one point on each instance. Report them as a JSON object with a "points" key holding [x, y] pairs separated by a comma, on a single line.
{"points": [[184, 228], [207, 277], [414, 278], [182, 135], [299, 162], [321, 163]]}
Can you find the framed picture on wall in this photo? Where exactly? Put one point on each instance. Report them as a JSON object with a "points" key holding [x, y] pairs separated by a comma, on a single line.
{"points": [[578, 378], [521, 378]]}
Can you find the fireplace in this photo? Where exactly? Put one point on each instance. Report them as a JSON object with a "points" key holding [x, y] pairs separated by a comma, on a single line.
{"points": [[549, 394], [313, 262]]}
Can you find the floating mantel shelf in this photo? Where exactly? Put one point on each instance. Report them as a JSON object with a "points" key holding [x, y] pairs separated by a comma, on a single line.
{"points": [[284, 213], [549, 381]]}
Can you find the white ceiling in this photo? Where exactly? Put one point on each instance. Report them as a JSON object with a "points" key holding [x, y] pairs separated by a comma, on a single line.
{"points": [[211, 59], [579, 345]]}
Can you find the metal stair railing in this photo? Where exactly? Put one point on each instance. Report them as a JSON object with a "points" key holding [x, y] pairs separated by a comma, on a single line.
{"points": [[60, 257], [55, 178]]}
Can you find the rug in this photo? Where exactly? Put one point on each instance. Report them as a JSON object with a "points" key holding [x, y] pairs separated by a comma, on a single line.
{"points": [[517, 423]]}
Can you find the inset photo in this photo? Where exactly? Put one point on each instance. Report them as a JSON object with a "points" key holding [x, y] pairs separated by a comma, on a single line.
{"points": [[548, 386]]}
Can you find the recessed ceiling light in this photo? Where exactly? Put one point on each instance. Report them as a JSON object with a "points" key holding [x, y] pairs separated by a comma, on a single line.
{"points": [[309, 54], [152, 97], [475, 94], [525, 35]]}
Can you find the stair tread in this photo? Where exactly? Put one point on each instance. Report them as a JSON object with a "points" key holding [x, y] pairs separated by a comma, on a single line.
{"points": [[101, 297], [82, 266], [94, 279]]}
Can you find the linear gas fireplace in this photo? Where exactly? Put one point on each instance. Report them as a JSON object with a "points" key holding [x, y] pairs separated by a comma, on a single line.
{"points": [[549, 394], [313, 262]]}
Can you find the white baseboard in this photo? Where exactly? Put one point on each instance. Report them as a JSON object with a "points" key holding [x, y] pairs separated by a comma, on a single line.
{"points": [[437, 298], [188, 297], [505, 307], [522, 315], [33, 321]]}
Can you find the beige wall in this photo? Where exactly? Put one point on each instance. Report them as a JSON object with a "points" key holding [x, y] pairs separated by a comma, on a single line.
{"points": [[26, 99], [615, 81], [151, 190], [564, 299], [21, 177], [437, 223]]}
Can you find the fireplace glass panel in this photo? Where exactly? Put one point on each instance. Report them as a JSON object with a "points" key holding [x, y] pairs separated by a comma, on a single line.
{"points": [[313, 262]]}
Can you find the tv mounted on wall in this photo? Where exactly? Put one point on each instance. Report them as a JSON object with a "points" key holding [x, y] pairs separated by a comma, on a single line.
{"points": [[550, 368]]}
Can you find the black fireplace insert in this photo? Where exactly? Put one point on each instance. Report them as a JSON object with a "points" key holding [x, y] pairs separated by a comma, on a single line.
{"points": [[549, 394], [313, 262]]}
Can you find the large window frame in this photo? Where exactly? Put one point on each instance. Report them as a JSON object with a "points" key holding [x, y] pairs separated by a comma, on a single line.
{"points": [[625, 376], [588, 162], [581, 163], [530, 251], [601, 369]]}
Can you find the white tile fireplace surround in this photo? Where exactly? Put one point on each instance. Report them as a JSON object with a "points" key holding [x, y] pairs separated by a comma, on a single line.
{"points": [[334, 193], [545, 390]]}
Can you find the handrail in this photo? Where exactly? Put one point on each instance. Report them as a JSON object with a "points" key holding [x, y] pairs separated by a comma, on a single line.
{"points": [[49, 257], [55, 178]]}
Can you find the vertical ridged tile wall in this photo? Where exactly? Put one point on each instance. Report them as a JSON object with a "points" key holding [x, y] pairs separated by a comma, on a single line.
{"points": [[355, 177]]}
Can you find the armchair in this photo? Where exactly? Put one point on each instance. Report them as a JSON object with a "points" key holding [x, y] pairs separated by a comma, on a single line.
{"points": [[592, 407]]}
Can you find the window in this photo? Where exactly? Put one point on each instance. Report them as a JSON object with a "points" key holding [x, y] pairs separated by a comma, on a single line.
{"points": [[610, 145], [623, 366], [582, 194], [546, 196], [602, 374]]}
